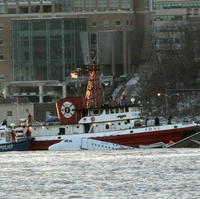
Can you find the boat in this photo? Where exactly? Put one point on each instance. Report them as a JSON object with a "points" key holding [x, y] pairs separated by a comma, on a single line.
{"points": [[113, 129], [9, 140], [85, 121]]}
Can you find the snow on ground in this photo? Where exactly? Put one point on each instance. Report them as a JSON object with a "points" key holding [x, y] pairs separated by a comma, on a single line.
{"points": [[129, 88]]}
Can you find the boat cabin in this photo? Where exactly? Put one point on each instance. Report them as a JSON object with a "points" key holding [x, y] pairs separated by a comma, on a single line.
{"points": [[106, 114], [5, 134]]}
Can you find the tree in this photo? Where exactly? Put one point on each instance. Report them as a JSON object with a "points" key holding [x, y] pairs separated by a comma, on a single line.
{"points": [[177, 66]]}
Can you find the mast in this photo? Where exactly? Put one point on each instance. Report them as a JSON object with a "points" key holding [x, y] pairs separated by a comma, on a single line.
{"points": [[93, 91]]}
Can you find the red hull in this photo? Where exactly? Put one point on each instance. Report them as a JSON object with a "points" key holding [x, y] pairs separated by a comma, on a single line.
{"points": [[143, 138], [149, 138], [136, 139]]}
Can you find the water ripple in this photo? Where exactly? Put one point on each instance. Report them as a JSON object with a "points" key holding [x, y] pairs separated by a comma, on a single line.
{"points": [[138, 174]]}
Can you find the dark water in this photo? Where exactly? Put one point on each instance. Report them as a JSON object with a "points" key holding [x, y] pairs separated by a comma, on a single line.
{"points": [[141, 173]]}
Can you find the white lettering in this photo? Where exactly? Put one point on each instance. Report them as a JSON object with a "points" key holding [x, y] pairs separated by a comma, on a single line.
{"points": [[6, 147]]}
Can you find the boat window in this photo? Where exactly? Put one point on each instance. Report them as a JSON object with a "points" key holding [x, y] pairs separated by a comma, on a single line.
{"points": [[61, 131], [126, 109], [107, 126], [107, 111], [137, 123], [77, 127], [117, 110], [112, 111], [119, 123], [96, 111], [68, 141], [121, 110]]}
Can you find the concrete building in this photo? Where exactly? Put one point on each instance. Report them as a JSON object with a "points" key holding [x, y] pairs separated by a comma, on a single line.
{"points": [[45, 40], [17, 110], [169, 17]]}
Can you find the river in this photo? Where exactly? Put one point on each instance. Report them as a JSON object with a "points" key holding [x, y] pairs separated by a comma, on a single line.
{"points": [[118, 174]]}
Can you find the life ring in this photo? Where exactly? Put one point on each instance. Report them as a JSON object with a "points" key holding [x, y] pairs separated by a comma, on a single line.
{"points": [[92, 119], [67, 109]]}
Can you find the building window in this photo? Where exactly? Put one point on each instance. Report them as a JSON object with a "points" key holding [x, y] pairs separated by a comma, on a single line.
{"points": [[126, 4], [35, 9], [1, 26], [147, 4], [1, 42], [78, 4], [1, 57], [90, 4], [9, 113], [47, 8], [11, 10], [118, 23], [105, 22], [113, 4], [102, 3], [2, 9], [94, 24], [23, 10]]}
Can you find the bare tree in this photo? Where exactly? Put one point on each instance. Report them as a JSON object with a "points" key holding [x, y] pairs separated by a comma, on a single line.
{"points": [[177, 66]]}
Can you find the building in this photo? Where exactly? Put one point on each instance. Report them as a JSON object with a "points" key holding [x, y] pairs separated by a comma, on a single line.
{"points": [[169, 18], [43, 41]]}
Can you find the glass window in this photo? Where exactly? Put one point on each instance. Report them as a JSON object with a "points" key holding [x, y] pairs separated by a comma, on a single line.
{"points": [[105, 22], [1, 57], [126, 4], [112, 111], [2, 9], [35, 9], [47, 8], [90, 4], [146, 4], [78, 3], [118, 23], [102, 3], [9, 113], [94, 23], [11, 10], [1, 42], [23, 9], [114, 4], [1, 26]]}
